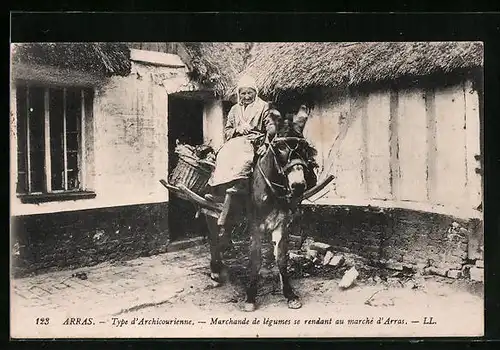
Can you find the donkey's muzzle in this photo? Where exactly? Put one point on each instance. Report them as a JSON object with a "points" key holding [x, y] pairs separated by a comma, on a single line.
{"points": [[298, 188]]}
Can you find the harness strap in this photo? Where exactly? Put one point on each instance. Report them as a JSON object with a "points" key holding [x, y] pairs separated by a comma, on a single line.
{"points": [[266, 180], [295, 162], [281, 170]]}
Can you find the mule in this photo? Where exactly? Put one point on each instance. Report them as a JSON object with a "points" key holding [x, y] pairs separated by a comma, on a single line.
{"points": [[277, 183]]}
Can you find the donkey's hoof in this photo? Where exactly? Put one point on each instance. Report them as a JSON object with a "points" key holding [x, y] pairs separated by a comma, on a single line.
{"points": [[213, 284], [215, 280], [294, 304], [249, 307]]}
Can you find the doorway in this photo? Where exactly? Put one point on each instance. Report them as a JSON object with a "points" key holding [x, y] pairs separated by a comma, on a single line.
{"points": [[185, 124]]}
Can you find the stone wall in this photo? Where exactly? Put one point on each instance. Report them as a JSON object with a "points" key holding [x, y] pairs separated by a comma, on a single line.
{"points": [[87, 237], [398, 238]]}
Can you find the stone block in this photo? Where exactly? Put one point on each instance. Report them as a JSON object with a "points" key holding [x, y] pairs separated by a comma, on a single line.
{"points": [[327, 258], [435, 271], [476, 274], [295, 256], [349, 278], [320, 247], [394, 265], [466, 270], [311, 254], [449, 266], [337, 260], [454, 274]]}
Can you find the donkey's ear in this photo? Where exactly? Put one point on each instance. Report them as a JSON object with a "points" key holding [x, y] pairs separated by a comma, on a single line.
{"points": [[274, 115], [273, 121], [300, 119]]}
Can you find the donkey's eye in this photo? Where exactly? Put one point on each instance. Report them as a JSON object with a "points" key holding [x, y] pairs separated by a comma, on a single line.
{"points": [[281, 147]]}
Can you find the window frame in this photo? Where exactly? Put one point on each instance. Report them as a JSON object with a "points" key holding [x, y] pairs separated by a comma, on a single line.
{"points": [[48, 195]]}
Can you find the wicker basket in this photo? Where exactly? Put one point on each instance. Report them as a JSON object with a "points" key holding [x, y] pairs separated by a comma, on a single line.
{"points": [[190, 173]]}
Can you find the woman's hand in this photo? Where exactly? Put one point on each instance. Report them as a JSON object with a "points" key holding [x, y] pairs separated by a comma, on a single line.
{"points": [[244, 129]]}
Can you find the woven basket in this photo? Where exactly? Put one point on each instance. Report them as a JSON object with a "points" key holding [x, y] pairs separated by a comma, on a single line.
{"points": [[191, 174]]}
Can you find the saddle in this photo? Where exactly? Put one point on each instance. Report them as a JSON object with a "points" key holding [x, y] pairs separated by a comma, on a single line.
{"points": [[237, 187]]}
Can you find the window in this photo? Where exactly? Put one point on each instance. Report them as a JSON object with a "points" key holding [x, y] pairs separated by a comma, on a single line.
{"points": [[51, 138]]}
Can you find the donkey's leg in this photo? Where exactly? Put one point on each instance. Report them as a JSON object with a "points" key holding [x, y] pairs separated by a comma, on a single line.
{"points": [[255, 264], [215, 249], [280, 240]]}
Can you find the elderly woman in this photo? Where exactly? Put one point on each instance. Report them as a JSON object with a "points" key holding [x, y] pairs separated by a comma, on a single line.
{"points": [[246, 119]]}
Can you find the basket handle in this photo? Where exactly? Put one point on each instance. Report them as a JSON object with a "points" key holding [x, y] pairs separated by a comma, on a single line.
{"points": [[206, 162], [198, 161], [180, 155]]}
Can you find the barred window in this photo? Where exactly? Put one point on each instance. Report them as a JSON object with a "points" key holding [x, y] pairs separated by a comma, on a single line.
{"points": [[51, 137]]}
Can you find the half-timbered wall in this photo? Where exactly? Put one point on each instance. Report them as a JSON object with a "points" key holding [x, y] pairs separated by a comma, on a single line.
{"points": [[415, 147]]}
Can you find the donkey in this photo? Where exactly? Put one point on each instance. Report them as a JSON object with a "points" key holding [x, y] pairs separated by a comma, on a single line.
{"points": [[279, 179]]}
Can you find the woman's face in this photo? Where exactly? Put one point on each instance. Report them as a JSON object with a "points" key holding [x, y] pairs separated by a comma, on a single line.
{"points": [[247, 95]]}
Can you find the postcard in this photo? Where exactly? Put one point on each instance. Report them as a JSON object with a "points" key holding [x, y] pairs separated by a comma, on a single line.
{"points": [[246, 189]]}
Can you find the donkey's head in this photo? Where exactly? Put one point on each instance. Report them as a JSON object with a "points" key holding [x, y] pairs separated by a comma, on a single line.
{"points": [[292, 153]]}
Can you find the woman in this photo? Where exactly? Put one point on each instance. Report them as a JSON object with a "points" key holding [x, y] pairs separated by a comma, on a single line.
{"points": [[247, 116], [234, 163]]}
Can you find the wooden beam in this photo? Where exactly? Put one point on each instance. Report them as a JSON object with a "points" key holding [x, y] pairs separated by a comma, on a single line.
{"points": [[156, 58], [28, 146], [200, 200], [185, 57], [185, 192], [365, 155], [311, 192], [430, 108], [65, 145], [473, 144], [82, 150], [394, 143], [46, 141], [13, 140], [209, 213]]}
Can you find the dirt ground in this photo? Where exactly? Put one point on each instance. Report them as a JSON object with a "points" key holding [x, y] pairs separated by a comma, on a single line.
{"points": [[376, 292], [176, 286]]}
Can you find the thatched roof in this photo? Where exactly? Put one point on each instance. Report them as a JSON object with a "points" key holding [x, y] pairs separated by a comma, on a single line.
{"points": [[101, 58], [299, 66], [277, 67], [216, 65]]}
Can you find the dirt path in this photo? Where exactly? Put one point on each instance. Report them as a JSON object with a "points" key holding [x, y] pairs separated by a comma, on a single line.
{"points": [[176, 286], [456, 306]]}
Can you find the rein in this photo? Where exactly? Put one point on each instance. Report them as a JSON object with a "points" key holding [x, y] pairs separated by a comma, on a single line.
{"points": [[268, 182]]}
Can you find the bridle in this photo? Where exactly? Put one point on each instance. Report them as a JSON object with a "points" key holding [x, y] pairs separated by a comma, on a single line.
{"points": [[283, 170]]}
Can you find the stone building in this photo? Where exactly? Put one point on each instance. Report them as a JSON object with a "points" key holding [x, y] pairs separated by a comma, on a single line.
{"points": [[93, 128]]}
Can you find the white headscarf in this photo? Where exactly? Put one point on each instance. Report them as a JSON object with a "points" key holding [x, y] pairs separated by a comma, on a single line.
{"points": [[246, 81]]}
